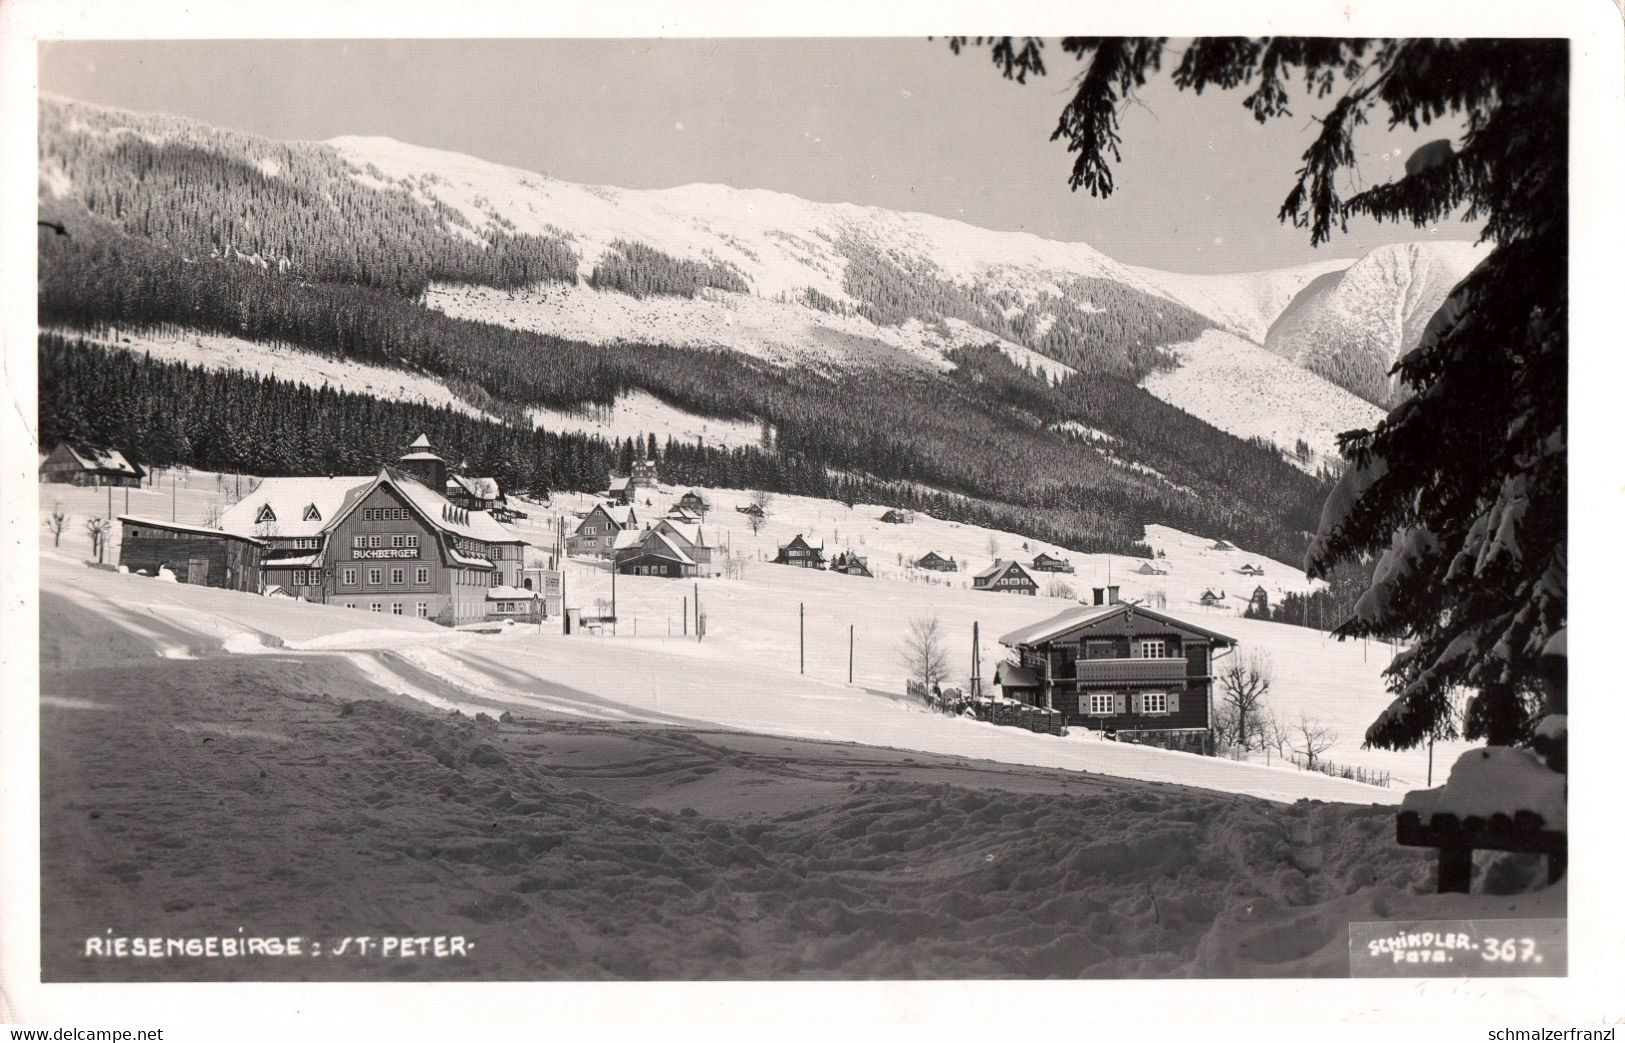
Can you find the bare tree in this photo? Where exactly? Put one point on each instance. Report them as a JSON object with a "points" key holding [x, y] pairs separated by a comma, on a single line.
{"points": [[1244, 682], [1059, 588], [762, 500], [56, 521], [98, 529], [925, 651], [993, 546], [1311, 738]]}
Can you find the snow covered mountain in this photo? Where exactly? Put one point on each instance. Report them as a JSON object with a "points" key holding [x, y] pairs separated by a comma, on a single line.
{"points": [[1349, 326], [961, 286]]}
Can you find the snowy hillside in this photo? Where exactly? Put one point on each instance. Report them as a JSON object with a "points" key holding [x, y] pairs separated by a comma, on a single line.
{"points": [[1246, 303], [1239, 387], [1351, 326]]}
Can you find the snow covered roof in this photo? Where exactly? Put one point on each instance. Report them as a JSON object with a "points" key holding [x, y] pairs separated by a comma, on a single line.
{"points": [[656, 545], [511, 594], [297, 561], [201, 530], [108, 460], [443, 514], [289, 499], [629, 538], [480, 488], [999, 568], [617, 484], [687, 530], [1087, 615], [1012, 676], [424, 455], [421, 442]]}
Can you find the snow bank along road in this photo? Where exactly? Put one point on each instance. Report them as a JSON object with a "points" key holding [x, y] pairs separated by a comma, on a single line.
{"points": [[624, 679]]}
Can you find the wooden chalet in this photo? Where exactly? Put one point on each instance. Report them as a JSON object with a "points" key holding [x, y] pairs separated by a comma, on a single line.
{"points": [[1260, 601], [1250, 569], [87, 465], [896, 517], [801, 554], [195, 554], [655, 554], [688, 538], [476, 494], [1211, 599], [1006, 577], [1118, 667], [936, 562], [751, 509], [1148, 569], [694, 503], [1222, 545], [850, 564], [1046, 562], [595, 535]]}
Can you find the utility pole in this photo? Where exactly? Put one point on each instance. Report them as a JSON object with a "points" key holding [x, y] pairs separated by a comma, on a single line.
{"points": [[976, 660], [803, 637], [172, 494], [851, 649], [699, 628]]}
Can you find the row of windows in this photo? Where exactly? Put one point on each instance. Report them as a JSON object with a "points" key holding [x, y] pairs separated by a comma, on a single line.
{"points": [[395, 540], [375, 576], [395, 608], [384, 514], [1104, 704]]}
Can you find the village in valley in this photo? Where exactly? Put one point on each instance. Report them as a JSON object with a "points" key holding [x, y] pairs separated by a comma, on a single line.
{"points": [[710, 583]]}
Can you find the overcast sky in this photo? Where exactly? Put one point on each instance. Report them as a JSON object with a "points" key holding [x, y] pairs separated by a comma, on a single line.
{"points": [[897, 123]]}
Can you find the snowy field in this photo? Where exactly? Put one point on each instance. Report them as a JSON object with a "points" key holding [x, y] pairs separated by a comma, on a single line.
{"points": [[747, 673]]}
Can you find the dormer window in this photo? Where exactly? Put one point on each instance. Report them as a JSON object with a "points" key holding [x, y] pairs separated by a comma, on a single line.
{"points": [[265, 515], [312, 514]]}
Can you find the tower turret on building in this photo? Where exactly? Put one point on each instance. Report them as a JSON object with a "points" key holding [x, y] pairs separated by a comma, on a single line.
{"points": [[422, 462]]}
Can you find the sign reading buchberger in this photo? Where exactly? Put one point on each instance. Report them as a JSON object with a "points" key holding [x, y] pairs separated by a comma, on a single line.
{"points": [[1459, 949], [385, 552]]}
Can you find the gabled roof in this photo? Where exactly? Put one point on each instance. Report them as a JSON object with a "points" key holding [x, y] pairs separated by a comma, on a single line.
{"points": [[629, 538], [999, 568], [690, 533], [931, 555], [445, 515], [1085, 616], [289, 499], [421, 442], [656, 545], [108, 460]]}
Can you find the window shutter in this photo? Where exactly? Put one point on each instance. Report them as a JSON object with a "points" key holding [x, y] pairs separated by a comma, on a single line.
{"points": [[1173, 702], [1119, 703], [1138, 703]]}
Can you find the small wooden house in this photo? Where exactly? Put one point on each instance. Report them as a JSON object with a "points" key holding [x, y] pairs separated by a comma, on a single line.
{"points": [[595, 536], [1222, 545], [936, 562], [655, 554], [1260, 601], [693, 503], [1250, 569], [800, 553], [850, 564], [1210, 599], [751, 509], [1006, 577], [1148, 569], [476, 494], [1046, 562], [896, 517], [88, 465]]}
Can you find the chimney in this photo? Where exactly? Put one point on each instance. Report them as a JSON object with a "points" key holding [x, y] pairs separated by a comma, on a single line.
{"points": [[1100, 595], [1111, 595]]}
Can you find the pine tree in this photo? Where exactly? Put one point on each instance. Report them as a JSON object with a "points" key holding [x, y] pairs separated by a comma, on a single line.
{"points": [[1462, 489]]}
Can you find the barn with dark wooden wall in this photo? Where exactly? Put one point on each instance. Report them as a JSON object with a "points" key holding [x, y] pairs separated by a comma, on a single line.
{"points": [[194, 553]]}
